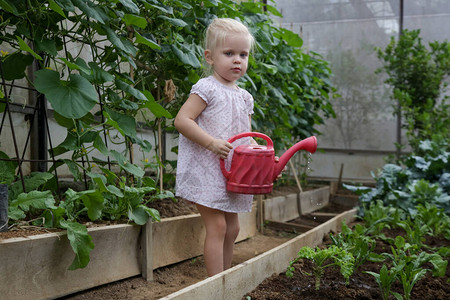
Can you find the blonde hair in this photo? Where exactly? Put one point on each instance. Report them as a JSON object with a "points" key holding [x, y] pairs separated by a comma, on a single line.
{"points": [[219, 29]]}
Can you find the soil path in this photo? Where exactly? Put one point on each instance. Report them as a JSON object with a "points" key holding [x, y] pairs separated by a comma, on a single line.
{"points": [[170, 279]]}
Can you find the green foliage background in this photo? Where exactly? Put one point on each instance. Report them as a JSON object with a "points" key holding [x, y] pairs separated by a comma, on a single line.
{"points": [[103, 65]]}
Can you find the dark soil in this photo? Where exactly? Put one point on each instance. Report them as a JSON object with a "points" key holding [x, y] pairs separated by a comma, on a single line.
{"points": [[167, 208], [361, 286]]}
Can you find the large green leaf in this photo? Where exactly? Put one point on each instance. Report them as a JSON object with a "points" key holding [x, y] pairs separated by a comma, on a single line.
{"points": [[99, 75], [9, 6], [14, 65], [126, 123], [35, 199], [138, 215], [100, 145], [80, 241], [32, 182], [72, 99], [186, 56], [126, 165], [129, 89], [135, 20], [66, 4], [79, 65], [73, 168], [122, 44], [15, 213], [91, 10], [291, 38], [145, 41], [54, 6], [24, 46], [130, 6], [155, 107], [174, 21], [47, 45], [94, 202]]}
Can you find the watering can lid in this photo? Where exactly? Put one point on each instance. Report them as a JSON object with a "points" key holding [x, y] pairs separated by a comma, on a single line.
{"points": [[254, 149]]}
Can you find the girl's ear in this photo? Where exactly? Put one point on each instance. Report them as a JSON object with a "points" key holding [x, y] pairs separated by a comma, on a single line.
{"points": [[208, 56]]}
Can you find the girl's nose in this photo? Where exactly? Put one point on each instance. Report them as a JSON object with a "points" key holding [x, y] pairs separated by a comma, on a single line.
{"points": [[237, 59]]}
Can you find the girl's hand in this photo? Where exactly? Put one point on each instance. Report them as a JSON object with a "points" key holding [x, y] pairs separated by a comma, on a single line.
{"points": [[277, 159], [220, 147]]}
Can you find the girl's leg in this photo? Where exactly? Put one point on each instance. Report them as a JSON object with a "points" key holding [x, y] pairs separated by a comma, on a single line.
{"points": [[216, 227], [231, 234]]}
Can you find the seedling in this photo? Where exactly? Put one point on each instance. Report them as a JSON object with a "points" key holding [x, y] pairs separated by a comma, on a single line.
{"points": [[385, 280], [324, 258]]}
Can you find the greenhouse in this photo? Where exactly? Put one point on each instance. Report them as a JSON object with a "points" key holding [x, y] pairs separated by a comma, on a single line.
{"points": [[220, 149]]}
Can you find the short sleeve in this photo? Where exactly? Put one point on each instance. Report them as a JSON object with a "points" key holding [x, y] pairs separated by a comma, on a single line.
{"points": [[203, 89]]}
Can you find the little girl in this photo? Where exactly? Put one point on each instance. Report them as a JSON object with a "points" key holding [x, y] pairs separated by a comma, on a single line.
{"points": [[216, 110]]}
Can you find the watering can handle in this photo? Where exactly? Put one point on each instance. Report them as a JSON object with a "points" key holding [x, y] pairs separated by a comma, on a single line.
{"points": [[239, 136]]}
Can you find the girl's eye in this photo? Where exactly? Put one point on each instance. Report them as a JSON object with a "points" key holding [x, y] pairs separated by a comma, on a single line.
{"points": [[228, 53], [244, 54]]}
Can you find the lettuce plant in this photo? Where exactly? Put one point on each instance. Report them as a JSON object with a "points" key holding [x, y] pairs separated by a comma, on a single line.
{"points": [[322, 259]]}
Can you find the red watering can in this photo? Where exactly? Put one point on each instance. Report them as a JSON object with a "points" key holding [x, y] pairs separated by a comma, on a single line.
{"points": [[253, 167]]}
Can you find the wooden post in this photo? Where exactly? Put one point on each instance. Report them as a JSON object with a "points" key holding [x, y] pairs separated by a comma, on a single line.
{"points": [[146, 251], [259, 213], [161, 168]]}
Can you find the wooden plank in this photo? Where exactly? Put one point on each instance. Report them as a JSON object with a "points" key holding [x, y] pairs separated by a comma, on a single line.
{"points": [[288, 226], [322, 216]]}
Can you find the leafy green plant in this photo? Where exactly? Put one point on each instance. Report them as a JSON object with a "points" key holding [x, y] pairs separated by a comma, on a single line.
{"points": [[160, 41], [127, 53], [385, 279], [357, 243], [377, 216], [104, 201], [408, 261], [435, 219], [322, 259], [415, 232], [7, 169], [417, 74], [424, 179]]}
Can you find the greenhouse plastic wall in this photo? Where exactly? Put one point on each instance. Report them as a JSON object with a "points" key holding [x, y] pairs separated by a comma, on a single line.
{"points": [[345, 33]]}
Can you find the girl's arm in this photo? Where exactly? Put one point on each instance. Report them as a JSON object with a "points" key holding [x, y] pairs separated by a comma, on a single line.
{"points": [[252, 141], [186, 125]]}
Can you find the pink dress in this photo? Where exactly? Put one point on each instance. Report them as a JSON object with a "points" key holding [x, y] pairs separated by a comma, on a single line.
{"points": [[199, 178]]}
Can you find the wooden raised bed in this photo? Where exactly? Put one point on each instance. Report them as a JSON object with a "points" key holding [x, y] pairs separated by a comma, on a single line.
{"points": [[243, 278], [35, 267]]}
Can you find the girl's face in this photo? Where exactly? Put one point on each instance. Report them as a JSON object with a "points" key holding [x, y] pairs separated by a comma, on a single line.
{"points": [[230, 58]]}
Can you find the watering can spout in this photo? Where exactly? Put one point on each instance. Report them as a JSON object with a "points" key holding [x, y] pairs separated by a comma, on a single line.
{"points": [[308, 144]]}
